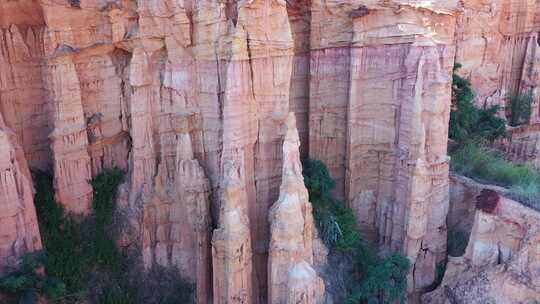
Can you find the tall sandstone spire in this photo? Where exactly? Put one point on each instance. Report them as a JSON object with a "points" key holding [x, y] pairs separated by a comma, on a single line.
{"points": [[231, 242], [291, 278]]}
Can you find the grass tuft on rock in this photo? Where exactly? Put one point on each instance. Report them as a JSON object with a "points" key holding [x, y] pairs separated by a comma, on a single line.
{"points": [[489, 166]]}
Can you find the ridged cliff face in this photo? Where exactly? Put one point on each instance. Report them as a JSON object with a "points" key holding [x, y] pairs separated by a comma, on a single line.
{"points": [[497, 44], [192, 97]]}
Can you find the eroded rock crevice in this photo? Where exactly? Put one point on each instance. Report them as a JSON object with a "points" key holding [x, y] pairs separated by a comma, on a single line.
{"points": [[190, 98]]}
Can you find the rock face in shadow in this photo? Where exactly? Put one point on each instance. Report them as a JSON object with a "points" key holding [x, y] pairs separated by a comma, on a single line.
{"points": [[522, 145], [291, 277]]}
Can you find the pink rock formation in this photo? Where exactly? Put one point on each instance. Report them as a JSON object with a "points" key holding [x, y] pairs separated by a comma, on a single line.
{"points": [[72, 166], [378, 117], [303, 285], [291, 277], [497, 46], [502, 261], [231, 242], [113, 83], [22, 93], [255, 104], [176, 224], [19, 231]]}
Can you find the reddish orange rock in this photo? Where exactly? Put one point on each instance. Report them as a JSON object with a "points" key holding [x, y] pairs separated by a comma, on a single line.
{"points": [[231, 242], [291, 277], [501, 262], [176, 224], [19, 230]]}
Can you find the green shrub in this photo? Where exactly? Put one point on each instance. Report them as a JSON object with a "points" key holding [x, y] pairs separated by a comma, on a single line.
{"points": [[335, 222], [28, 280], [375, 278], [115, 295], [68, 258], [487, 165], [105, 187], [84, 262], [520, 108], [384, 282], [318, 181], [467, 122]]}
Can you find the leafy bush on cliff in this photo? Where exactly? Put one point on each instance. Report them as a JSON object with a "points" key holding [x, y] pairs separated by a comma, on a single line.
{"points": [[28, 280], [520, 108], [472, 128], [384, 282], [467, 122], [375, 279], [83, 257]]}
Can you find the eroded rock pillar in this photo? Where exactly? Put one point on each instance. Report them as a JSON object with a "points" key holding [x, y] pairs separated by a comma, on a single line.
{"points": [[291, 278], [72, 164], [19, 230], [231, 242], [176, 224]]}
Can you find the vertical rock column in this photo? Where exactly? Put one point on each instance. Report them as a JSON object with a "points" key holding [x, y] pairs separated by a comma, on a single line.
{"points": [[22, 95], [379, 106], [291, 278], [299, 12], [331, 34], [231, 242], [176, 229], [255, 104], [143, 77], [19, 231], [397, 166], [72, 165]]}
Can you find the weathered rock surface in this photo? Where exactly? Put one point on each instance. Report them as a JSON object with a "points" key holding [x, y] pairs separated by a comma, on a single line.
{"points": [[501, 263], [497, 46], [231, 242], [19, 230], [291, 277], [91, 84], [304, 286], [378, 116], [176, 224], [23, 127]]}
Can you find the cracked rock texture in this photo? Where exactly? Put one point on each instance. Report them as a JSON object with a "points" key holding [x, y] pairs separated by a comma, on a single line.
{"points": [[291, 277], [231, 242], [501, 263], [19, 230], [497, 44], [176, 224], [379, 108], [190, 97]]}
